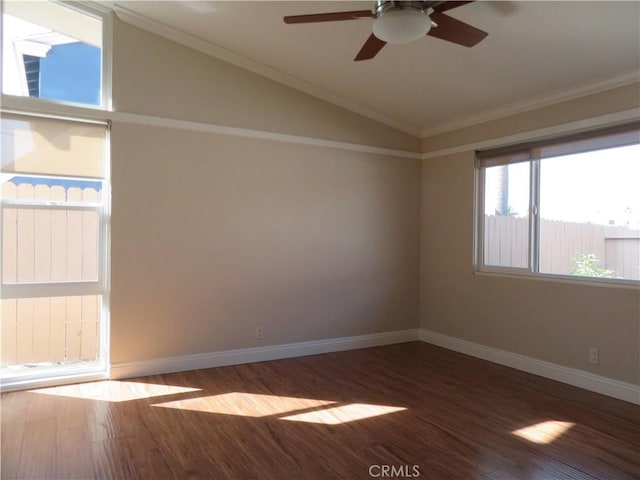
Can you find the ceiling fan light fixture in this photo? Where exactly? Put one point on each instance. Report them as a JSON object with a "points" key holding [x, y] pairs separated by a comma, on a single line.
{"points": [[401, 25]]}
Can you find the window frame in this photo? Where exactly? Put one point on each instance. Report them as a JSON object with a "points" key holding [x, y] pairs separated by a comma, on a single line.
{"points": [[86, 113], [100, 287], [533, 268]]}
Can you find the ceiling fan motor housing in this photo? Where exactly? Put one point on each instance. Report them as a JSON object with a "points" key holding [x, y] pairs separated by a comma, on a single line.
{"points": [[401, 22]]}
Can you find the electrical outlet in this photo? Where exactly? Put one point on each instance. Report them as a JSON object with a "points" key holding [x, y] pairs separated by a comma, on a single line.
{"points": [[594, 355], [259, 333]]}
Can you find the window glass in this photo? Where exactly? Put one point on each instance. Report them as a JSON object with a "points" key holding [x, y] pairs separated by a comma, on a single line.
{"points": [[43, 245], [506, 219], [51, 52], [590, 214], [46, 146], [51, 223]]}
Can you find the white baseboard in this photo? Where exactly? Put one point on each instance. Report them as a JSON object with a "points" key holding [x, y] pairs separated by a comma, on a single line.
{"points": [[578, 378], [258, 354]]}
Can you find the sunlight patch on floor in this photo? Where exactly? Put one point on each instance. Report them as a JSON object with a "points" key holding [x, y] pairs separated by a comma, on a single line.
{"points": [[299, 409], [343, 413], [245, 404], [544, 432], [114, 391]]}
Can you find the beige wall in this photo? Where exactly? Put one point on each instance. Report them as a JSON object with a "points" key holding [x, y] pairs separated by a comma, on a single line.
{"points": [[551, 321], [155, 76], [214, 235]]}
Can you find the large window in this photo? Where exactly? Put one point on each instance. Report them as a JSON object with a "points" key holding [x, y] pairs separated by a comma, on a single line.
{"points": [[54, 245], [563, 207], [54, 180]]}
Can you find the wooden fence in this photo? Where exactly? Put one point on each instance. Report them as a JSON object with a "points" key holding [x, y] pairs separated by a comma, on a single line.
{"points": [[49, 245], [50, 330], [616, 247]]}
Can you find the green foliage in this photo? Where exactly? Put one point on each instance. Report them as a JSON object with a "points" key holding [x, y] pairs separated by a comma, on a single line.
{"points": [[585, 266], [509, 212]]}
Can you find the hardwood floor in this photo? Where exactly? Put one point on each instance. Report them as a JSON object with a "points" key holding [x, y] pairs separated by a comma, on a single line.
{"points": [[404, 411]]}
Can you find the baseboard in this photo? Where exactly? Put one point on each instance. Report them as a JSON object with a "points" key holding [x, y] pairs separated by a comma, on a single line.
{"points": [[258, 354], [578, 378]]}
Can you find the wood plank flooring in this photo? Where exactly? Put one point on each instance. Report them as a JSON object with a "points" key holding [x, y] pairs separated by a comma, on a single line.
{"points": [[411, 410]]}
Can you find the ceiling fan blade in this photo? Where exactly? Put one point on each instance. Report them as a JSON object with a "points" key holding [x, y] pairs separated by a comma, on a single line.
{"points": [[370, 48], [455, 31], [329, 17], [506, 8], [444, 6]]}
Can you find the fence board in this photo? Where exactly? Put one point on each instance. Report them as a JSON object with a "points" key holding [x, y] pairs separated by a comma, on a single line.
{"points": [[522, 240], [41, 329], [74, 238], [9, 245], [74, 327], [89, 253], [26, 237], [58, 336], [8, 334], [623, 256], [90, 320], [24, 330], [58, 246], [42, 245]]}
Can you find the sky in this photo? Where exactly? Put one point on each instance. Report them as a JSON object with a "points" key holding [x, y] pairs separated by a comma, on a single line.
{"points": [[596, 187]]}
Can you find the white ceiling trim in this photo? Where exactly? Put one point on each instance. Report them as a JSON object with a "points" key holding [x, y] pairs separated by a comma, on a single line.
{"points": [[534, 103], [610, 119], [255, 66]]}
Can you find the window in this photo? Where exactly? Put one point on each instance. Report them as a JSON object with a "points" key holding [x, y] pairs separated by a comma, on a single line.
{"points": [[54, 244], [53, 52], [564, 207], [54, 180]]}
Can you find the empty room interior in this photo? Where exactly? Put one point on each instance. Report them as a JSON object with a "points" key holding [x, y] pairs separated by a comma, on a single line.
{"points": [[324, 240]]}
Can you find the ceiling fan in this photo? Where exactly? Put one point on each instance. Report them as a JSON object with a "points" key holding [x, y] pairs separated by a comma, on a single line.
{"points": [[403, 22]]}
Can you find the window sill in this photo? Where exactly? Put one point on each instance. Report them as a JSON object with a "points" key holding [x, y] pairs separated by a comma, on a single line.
{"points": [[567, 279]]}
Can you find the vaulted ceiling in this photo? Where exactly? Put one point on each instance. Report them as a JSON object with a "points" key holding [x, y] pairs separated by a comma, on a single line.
{"points": [[535, 53]]}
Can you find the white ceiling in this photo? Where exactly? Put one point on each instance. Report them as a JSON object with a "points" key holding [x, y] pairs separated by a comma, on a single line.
{"points": [[535, 52]]}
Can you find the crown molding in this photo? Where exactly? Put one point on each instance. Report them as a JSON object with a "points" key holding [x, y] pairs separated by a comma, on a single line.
{"points": [[221, 53], [534, 103], [609, 119]]}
